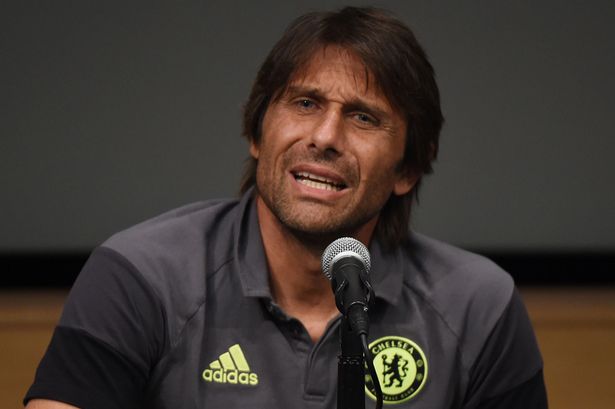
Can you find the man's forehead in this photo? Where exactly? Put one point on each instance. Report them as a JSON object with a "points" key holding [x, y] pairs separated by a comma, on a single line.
{"points": [[331, 59]]}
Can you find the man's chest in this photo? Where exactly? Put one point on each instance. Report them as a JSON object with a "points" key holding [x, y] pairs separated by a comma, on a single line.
{"points": [[260, 358]]}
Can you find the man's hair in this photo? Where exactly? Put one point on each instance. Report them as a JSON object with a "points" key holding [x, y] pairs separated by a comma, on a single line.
{"points": [[401, 70]]}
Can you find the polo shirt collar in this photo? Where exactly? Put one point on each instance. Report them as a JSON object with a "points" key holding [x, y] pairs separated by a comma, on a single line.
{"points": [[386, 274], [250, 252]]}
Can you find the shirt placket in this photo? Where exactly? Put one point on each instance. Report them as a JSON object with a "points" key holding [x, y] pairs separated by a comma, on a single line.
{"points": [[320, 358]]}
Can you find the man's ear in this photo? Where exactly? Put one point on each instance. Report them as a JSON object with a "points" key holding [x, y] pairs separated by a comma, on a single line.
{"points": [[254, 149], [406, 180]]}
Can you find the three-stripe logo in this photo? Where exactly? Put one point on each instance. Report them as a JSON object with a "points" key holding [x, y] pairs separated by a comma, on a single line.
{"points": [[232, 368]]}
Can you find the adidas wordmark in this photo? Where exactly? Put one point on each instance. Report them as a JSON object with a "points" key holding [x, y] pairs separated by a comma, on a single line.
{"points": [[231, 367]]}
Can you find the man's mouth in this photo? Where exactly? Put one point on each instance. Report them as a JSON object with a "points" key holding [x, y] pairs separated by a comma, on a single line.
{"points": [[318, 182]]}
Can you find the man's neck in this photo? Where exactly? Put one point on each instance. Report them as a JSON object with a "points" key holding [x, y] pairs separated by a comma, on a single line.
{"points": [[295, 277]]}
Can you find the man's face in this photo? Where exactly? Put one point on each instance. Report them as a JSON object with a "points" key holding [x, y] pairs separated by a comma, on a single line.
{"points": [[331, 147]]}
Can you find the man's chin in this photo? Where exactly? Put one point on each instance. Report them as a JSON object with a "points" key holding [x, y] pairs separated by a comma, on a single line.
{"points": [[316, 238], [320, 231], [315, 222]]}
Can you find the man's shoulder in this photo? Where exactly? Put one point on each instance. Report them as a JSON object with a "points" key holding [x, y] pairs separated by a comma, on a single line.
{"points": [[179, 227], [181, 245], [158, 269], [444, 264], [468, 291]]}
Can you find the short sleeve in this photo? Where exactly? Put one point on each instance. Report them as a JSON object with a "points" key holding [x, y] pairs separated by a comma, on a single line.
{"points": [[110, 336], [508, 370]]}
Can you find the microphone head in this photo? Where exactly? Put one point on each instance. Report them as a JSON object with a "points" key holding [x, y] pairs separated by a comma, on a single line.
{"points": [[344, 247]]}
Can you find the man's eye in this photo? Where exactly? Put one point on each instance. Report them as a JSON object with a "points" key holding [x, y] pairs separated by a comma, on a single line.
{"points": [[366, 119], [305, 103]]}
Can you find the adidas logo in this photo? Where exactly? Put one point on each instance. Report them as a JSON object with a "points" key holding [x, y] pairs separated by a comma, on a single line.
{"points": [[231, 367]]}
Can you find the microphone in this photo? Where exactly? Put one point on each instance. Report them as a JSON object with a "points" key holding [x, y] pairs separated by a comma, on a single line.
{"points": [[346, 263]]}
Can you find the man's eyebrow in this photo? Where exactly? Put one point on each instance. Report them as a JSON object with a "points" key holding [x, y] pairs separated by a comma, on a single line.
{"points": [[294, 90]]}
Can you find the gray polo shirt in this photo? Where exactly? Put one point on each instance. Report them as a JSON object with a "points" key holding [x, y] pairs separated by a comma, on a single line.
{"points": [[176, 312]]}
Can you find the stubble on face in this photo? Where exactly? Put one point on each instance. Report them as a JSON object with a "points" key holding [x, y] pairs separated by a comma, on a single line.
{"points": [[313, 218], [368, 172]]}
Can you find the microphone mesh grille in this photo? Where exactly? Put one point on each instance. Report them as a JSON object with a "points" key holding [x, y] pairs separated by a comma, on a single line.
{"points": [[342, 245]]}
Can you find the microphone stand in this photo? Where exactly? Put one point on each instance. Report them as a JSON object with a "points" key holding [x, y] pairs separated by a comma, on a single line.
{"points": [[350, 370], [346, 263]]}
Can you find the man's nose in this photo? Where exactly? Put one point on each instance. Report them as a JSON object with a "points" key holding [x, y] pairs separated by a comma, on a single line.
{"points": [[328, 134]]}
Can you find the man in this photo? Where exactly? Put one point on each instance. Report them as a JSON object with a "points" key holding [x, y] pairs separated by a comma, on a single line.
{"points": [[223, 303]]}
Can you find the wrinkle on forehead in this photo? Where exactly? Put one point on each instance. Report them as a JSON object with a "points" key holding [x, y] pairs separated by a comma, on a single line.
{"points": [[351, 64]]}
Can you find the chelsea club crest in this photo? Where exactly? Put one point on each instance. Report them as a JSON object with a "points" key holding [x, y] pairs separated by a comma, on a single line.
{"points": [[401, 366]]}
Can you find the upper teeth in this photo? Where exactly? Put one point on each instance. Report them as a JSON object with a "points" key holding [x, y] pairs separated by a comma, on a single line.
{"points": [[318, 182]]}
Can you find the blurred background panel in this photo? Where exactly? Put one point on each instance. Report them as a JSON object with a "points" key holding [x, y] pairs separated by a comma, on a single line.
{"points": [[114, 112]]}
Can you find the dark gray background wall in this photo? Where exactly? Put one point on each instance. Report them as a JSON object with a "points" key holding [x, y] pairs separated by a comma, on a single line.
{"points": [[113, 112]]}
